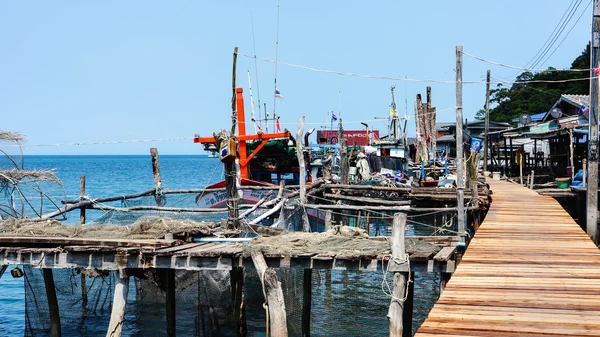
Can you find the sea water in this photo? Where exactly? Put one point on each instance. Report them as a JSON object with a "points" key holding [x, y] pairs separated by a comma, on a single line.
{"points": [[122, 175]]}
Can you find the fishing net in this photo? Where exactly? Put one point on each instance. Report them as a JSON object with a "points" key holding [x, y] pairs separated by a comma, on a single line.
{"points": [[344, 302]]}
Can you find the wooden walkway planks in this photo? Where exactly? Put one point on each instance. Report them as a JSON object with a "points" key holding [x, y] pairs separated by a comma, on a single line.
{"points": [[530, 270]]}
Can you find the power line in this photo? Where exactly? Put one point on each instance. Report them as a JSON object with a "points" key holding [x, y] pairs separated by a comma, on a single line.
{"points": [[569, 32], [526, 69], [530, 62], [562, 28], [405, 78], [106, 142]]}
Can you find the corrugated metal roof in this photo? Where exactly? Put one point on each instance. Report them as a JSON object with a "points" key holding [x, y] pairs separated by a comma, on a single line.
{"points": [[577, 100]]}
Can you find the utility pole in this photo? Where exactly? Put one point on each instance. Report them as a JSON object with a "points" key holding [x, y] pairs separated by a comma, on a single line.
{"points": [[592, 186], [460, 168], [487, 121]]}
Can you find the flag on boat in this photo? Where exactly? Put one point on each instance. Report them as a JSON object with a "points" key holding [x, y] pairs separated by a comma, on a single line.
{"points": [[333, 117], [277, 125], [583, 110], [278, 94], [259, 128], [393, 112]]}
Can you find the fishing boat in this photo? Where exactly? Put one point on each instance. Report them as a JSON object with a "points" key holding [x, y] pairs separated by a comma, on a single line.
{"points": [[213, 154], [262, 159]]}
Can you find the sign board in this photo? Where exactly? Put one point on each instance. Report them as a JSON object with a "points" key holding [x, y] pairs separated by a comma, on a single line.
{"points": [[330, 136]]}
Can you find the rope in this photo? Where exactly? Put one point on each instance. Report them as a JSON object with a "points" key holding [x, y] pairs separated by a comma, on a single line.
{"points": [[385, 284]]}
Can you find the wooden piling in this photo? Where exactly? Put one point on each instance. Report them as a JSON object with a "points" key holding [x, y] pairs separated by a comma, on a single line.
{"points": [[444, 278], [117, 315], [276, 314], [571, 154], [306, 302], [532, 179], [407, 314], [300, 155], [156, 168], [171, 302], [81, 196], [584, 169], [238, 300], [3, 269], [397, 305], [55, 330], [84, 292], [344, 167], [328, 220]]}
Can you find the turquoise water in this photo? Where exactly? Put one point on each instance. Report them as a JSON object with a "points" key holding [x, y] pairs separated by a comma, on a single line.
{"points": [[120, 175], [105, 176]]}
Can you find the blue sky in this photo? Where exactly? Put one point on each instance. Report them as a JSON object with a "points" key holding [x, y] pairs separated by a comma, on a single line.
{"points": [[78, 72]]}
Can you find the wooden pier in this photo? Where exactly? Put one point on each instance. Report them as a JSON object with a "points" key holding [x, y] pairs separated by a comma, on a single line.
{"points": [[529, 270]]}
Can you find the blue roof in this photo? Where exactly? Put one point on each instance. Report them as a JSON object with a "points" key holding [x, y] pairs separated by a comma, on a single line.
{"points": [[534, 118]]}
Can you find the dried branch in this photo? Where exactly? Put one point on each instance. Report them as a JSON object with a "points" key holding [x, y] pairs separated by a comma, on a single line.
{"points": [[15, 176], [11, 136]]}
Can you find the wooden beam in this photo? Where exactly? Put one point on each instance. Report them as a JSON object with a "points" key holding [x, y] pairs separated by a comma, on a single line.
{"points": [[268, 213], [276, 314], [117, 315], [367, 200], [55, 330]]}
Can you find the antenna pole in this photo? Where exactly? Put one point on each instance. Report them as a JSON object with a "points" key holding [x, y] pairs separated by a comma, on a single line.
{"points": [[276, 59], [592, 186], [256, 70]]}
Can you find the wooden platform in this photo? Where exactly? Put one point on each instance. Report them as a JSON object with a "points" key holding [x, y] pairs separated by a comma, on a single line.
{"points": [[103, 254], [529, 271]]}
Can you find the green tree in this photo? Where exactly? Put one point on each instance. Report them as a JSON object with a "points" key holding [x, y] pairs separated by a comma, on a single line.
{"points": [[532, 98]]}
